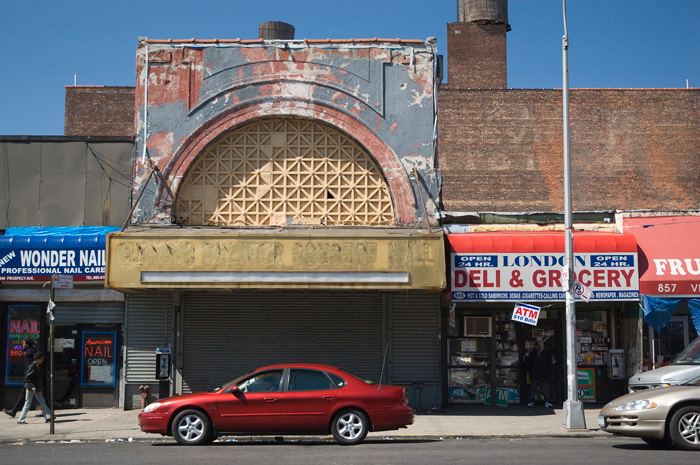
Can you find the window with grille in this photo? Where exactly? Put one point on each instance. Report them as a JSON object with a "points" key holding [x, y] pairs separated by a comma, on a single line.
{"points": [[281, 172]]}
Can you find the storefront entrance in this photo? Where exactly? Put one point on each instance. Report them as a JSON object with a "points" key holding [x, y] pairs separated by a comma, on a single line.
{"points": [[86, 356], [661, 347], [486, 349], [669, 279], [494, 273], [86, 365]]}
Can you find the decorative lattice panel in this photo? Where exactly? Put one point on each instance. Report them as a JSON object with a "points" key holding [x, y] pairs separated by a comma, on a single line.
{"points": [[284, 171]]}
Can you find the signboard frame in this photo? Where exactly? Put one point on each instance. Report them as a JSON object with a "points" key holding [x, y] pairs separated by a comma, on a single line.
{"points": [[99, 356], [23, 322], [34, 261], [521, 277]]}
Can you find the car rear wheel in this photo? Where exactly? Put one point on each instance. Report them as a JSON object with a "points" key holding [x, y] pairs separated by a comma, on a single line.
{"points": [[192, 427], [658, 443], [350, 427], [685, 428]]}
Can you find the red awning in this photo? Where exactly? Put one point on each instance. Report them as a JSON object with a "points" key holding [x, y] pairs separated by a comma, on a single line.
{"points": [[669, 254], [549, 242]]}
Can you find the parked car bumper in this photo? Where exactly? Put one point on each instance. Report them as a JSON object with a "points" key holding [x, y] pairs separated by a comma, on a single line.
{"points": [[391, 419], [634, 424], [153, 423]]}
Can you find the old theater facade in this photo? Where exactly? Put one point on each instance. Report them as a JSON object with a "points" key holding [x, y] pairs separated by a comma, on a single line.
{"points": [[284, 200]]}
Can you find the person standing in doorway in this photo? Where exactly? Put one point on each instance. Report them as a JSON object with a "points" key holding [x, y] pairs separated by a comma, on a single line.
{"points": [[34, 383], [539, 365], [29, 351]]}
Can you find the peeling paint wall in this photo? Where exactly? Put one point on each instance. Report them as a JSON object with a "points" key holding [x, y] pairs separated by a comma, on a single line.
{"points": [[381, 93]]}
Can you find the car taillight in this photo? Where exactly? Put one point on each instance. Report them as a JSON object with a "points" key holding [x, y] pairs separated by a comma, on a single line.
{"points": [[400, 396]]}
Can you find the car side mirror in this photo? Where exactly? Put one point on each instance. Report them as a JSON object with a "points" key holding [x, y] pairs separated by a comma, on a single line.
{"points": [[235, 391]]}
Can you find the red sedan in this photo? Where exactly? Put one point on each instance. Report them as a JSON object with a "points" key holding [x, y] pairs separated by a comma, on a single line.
{"points": [[283, 399]]}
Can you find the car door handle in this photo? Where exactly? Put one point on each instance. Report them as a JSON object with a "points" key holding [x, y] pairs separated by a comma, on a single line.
{"points": [[328, 397], [270, 399]]}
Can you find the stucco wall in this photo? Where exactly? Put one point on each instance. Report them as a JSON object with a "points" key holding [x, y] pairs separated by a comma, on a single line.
{"points": [[379, 92]]}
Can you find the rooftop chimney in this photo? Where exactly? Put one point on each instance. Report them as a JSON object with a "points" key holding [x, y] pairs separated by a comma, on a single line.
{"points": [[275, 30], [476, 45]]}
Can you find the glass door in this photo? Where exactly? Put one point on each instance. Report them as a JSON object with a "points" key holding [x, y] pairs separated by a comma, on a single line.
{"points": [[469, 360], [672, 339], [508, 356]]}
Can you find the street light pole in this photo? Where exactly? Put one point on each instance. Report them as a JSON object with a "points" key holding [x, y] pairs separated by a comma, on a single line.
{"points": [[573, 408], [51, 359]]}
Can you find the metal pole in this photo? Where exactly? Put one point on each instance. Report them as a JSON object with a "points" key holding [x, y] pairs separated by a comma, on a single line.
{"points": [[573, 408], [51, 352]]}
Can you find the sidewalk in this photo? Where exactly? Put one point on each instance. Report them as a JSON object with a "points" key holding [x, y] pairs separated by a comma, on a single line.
{"points": [[463, 421]]}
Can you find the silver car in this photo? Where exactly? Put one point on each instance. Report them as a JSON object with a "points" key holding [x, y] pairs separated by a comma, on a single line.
{"points": [[659, 417], [685, 367]]}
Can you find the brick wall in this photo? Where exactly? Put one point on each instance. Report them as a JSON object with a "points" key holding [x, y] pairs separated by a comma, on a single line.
{"points": [[99, 111], [502, 150], [476, 56]]}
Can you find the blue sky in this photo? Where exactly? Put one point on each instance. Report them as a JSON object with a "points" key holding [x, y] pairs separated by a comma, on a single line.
{"points": [[612, 43]]}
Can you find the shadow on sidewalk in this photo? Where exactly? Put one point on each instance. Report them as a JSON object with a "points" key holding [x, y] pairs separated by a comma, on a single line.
{"points": [[66, 417]]}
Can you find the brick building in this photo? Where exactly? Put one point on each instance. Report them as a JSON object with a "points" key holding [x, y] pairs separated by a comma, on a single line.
{"points": [[99, 111], [501, 149], [501, 159]]}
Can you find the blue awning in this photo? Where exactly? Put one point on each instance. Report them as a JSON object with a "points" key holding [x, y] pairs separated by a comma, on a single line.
{"points": [[35, 254]]}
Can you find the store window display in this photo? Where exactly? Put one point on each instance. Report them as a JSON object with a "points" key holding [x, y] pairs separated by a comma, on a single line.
{"points": [[593, 340], [483, 352]]}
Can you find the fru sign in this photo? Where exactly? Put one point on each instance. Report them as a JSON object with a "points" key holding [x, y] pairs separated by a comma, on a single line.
{"points": [[528, 314]]}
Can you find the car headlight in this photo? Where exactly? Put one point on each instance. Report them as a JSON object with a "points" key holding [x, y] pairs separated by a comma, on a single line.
{"points": [[151, 407], [637, 405]]}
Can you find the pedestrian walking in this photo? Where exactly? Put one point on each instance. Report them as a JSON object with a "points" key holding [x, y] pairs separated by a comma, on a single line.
{"points": [[34, 383]]}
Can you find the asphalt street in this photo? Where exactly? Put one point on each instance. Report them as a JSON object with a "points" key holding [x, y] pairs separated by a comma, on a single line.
{"points": [[387, 451]]}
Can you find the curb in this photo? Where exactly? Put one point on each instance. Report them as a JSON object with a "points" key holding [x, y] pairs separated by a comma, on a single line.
{"points": [[296, 439]]}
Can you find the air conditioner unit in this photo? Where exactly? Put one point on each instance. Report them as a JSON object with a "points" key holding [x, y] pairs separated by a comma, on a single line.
{"points": [[477, 326]]}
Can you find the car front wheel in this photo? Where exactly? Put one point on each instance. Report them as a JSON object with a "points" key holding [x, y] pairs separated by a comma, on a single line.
{"points": [[685, 428], [192, 427], [350, 427]]}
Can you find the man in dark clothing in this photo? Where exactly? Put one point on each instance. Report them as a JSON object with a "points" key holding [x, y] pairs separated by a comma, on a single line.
{"points": [[539, 365], [29, 351], [34, 385]]}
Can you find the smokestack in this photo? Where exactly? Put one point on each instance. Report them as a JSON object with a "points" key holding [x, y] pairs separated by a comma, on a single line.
{"points": [[483, 11], [476, 45], [275, 30]]}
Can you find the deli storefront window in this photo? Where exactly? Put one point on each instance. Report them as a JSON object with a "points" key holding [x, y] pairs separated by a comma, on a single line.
{"points": [[99, 361], [592, 338]]}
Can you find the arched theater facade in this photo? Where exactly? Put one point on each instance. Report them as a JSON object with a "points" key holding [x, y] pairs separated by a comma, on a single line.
{"points": [[284, 209]]}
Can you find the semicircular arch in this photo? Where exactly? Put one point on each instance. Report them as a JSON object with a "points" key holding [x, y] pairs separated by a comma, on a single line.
{"points": [[281, 171], [281, 181]]}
